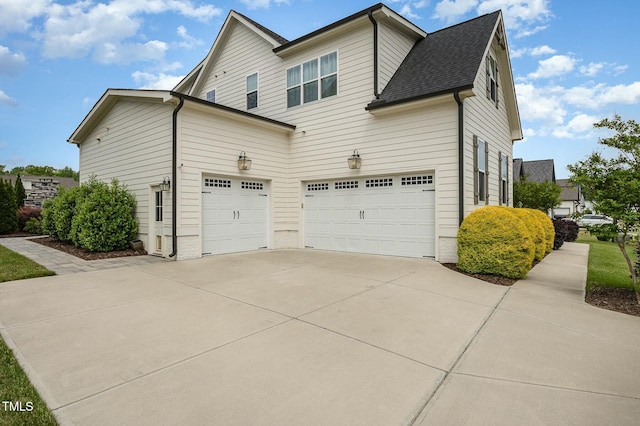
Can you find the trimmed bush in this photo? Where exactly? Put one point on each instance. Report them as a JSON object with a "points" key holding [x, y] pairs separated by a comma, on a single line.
{"points": [[549, 229], [572, 231], [25, 213], [34, 226], [561, 231], [493, 240], [104, 217], [534, 226], [604, 232]]}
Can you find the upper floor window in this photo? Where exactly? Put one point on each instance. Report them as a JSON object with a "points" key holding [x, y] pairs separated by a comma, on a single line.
{"points": [[211, 96], [252, 91], [312, 80], [492, 79]]}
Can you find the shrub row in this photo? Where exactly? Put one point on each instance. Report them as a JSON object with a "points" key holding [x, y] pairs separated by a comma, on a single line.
{"points": [[95, 216], [503, 241]]}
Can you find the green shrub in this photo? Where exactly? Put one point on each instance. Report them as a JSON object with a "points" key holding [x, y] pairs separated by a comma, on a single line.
{"points": [[8, 208], [547, 225], [25, 213], [104, 217], [48, 221], [493, 240], [34, 226], [604, 232], [532, 222]]}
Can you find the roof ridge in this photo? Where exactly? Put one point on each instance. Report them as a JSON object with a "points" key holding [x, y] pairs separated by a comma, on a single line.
{"points": [[464, 22], [266, 30]]}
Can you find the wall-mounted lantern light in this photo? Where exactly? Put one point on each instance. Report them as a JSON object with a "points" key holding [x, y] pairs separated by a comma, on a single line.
{"points": [[166, 184], [244, 162], [354, 161]]}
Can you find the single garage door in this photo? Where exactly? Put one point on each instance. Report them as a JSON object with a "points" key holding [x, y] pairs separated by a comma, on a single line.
{"points": [[234, 215], [379, 215]]}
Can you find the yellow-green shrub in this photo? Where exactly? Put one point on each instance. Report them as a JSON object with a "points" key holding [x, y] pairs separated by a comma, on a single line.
{"points": [[547, 225], [493, 240], [534, 226]]}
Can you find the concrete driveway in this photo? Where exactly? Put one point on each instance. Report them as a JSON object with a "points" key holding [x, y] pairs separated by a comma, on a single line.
{"points": [[311, 337]]}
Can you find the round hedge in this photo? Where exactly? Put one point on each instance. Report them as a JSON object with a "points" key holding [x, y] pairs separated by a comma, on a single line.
{"points": [[535, 228], [547, 225], [494, 240]]}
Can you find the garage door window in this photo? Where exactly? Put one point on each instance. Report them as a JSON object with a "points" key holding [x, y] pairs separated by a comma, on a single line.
{"points": [[416, 180], [346, 184], [324, 186], [257, 186], [376, 183], [217, 183]]}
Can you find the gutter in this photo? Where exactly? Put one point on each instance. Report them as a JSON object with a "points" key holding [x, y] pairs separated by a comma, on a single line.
{"points": [[456, 96], [375, 54], [174, 176]]}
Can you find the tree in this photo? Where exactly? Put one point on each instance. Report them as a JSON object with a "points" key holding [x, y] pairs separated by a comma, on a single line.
{"points": [[613, 184], [533, 195], [43, 171], [2, 169], [8, 208], [19, 191]]}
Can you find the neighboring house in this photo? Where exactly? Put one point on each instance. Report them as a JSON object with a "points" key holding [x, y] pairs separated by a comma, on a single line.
{"points": [[427, 122], [40, 188], [573, 201], [538, 171]]}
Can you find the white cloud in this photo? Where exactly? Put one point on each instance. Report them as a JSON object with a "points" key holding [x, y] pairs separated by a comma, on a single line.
{"points": [[554, 66], [160, 81], [451, 10], [542, 50], [82, 28], [541, 104], [7, 100], [528, 132], [580, 126], [16, 15], [188, 42], [261, 4], [11, 63]]}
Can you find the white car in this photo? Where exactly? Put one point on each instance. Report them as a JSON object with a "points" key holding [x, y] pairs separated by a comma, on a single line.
{"points": [[593, 219]]}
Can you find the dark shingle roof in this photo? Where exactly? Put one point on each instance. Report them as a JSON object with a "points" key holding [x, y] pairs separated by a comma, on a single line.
{"points": [[517, 169], [266, 30], [569, 191], [442, 62], [536, 171]]}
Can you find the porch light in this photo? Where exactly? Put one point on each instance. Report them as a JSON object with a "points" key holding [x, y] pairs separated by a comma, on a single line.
{"points": [[166, 184], [354, 161], [244, 162]]}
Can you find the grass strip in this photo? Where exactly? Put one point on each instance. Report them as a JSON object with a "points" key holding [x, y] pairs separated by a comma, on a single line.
{"points": [[14, 266]]}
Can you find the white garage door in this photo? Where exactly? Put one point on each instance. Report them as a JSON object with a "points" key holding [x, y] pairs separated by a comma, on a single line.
{"points": [[234, 215], [380, 215]]}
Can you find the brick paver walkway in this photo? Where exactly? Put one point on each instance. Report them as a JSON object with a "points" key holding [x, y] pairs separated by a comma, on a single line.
{"points": [[62, 263]]}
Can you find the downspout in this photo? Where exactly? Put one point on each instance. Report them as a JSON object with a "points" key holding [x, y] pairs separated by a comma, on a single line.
{"points": [[174, 176], [375, 55], [456, 96]]}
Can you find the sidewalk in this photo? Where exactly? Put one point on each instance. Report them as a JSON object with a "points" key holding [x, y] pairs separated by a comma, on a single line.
{"points": [[62, 263]]}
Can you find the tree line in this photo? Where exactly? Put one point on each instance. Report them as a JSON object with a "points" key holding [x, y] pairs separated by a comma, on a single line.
{"points": [[40, 171]]}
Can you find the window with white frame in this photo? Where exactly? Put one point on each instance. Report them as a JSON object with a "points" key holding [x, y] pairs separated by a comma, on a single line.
{"points": [[481, 166], [211, 96], [312, 80], [504, 179], [492, 79], [252, 91]]}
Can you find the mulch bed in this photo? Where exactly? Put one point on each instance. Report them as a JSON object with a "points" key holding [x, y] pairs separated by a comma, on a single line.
{"points": [[615, 299], [84, 254], [493, 279]]}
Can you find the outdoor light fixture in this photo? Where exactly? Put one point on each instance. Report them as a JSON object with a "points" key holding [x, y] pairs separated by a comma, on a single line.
{"points": [[166, 184], [354, 161], [244, 162]]}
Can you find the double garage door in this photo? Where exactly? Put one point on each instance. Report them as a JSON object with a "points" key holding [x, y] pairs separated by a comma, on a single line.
{"points": [[380, 215], [234, 215]]}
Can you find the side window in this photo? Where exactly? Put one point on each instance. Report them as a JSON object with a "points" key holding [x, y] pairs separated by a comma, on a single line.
{"points": [[211, 96], [252, 91], [294, 89], [492, 79], [329, 75], [480, 160]]}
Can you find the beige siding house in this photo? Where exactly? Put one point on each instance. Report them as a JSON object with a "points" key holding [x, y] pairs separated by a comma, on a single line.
{"points": [[368, 135]]}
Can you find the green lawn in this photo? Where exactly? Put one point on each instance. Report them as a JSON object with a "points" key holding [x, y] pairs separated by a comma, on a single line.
{"points": [[14, 266], [607, 267], [16, 392]]}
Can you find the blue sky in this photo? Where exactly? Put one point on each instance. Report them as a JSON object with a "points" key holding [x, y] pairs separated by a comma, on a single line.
{"points": [[574, 62]]}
